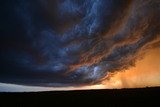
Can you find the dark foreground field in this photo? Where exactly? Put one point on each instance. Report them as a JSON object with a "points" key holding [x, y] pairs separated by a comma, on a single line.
{"points": [[128, 97]]}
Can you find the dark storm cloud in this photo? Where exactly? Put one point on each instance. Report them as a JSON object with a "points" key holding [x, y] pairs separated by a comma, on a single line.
{"points": [[70, 42]]}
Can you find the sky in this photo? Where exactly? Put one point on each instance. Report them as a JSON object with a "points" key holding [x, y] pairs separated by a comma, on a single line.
{"points": [[145, 73], [87, 44]]}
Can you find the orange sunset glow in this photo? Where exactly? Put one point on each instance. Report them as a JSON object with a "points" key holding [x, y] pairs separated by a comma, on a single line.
{"points": [[146, 73]]}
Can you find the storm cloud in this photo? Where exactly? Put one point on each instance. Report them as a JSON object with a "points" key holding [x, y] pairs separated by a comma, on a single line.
{"points": [[74, 42]]}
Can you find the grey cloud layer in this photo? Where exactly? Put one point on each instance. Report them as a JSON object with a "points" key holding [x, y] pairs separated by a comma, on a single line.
{"points": [[69, 42]]}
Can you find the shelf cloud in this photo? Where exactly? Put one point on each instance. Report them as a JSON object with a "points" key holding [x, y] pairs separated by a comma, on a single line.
{"points": [[74, 43]]}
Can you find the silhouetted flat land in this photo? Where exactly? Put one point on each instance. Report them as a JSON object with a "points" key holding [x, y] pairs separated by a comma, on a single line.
{"points": [[146, 96]]}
